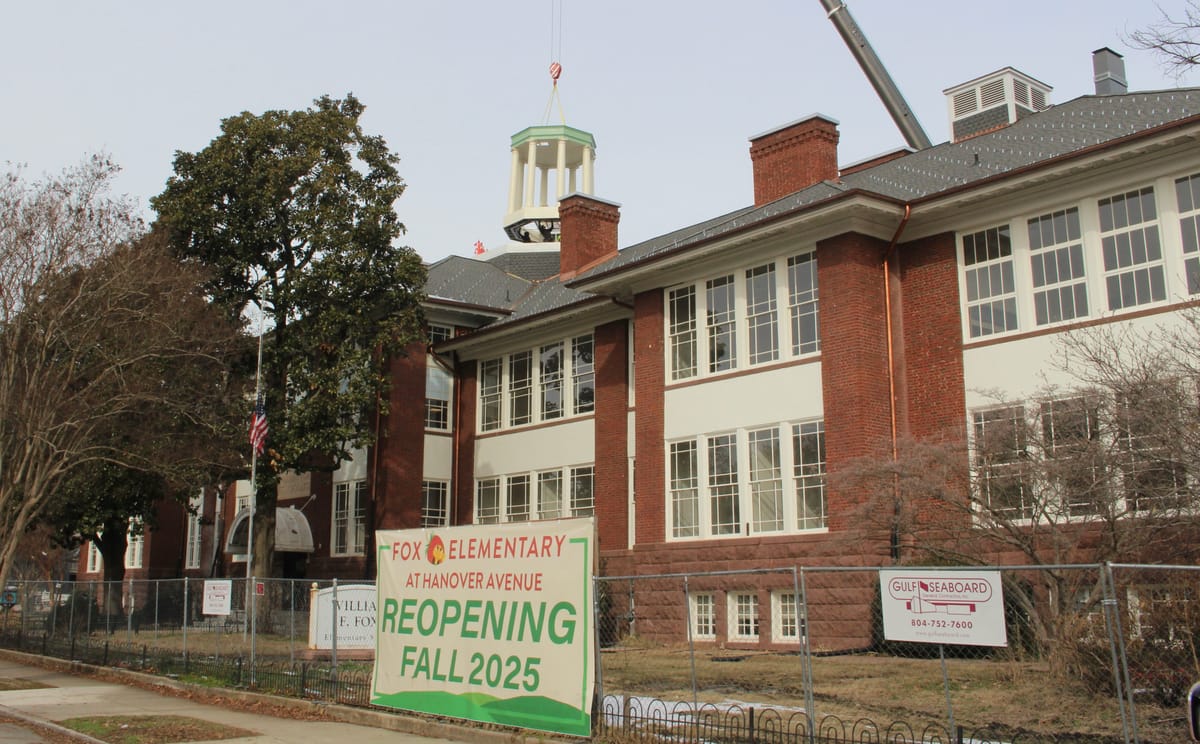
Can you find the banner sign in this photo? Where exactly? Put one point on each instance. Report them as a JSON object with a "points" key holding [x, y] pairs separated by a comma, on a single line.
{"points": [[490, 623], [354, 608], [956, 607]]}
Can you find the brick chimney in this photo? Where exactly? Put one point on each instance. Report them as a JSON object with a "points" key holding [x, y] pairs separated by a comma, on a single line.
{"points": [[589, 232], [793, 157]]}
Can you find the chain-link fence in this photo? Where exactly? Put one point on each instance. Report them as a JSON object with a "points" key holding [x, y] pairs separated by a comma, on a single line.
{"points": [[1093, 653]]}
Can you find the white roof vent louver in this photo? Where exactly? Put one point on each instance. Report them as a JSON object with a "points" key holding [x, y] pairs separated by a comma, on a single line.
{"points": [[993, 101]]}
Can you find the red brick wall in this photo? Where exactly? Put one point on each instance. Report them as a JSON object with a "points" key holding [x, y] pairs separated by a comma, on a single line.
{"points": [[466, 398], [589, 232], [932, 335], [649, 380], [794, 158], [400, 452], [612, 434], [854, 360]]}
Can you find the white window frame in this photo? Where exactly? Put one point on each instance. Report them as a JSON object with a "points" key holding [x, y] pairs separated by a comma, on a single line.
{"points": [[435, 503], [1187, 202], [990, 276], [520, 497], [1058, 266], [704, 616], [349, 523], [787, 619], [1128, 250], [135, 546], [730, 321], [501, 392], [698, 486], [192, 552], [95, 561], [440, 332], [439, 395], [744, 625]]}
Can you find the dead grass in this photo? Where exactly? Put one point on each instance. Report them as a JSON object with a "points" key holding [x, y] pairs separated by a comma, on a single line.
{"points": [[20, 684], [152, 729]]}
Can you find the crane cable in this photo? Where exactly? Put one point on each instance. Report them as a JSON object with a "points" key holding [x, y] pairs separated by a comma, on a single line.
{"points": [[555, 64]]}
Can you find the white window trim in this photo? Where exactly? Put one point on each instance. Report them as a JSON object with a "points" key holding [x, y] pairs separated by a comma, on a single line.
{"points": [[356, 499], [95, 561], [745, 527], [700, 328], [567, 508], [1088, 204], [568, 378], [135, 547], [426, 513], [733, 616], [195, 535], [694, 601], [799, 625]]}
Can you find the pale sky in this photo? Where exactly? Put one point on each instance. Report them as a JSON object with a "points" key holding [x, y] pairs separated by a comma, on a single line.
{"points": [[671, 89]]}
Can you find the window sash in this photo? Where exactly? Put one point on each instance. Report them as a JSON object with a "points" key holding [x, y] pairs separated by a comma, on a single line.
{"points": [[704, 616], [745, 617], [583, 499], [682, 332], [583, 375], [802, 304], [1134, 272], [350, 517], [435, 510], [490, 394], [723, 498], [549, 495], [194, 532], [685, 492], [487, 501], [721, 323], [550, 378], [1058, 266], [762, 327], [1187, 194], [520, 388], [990, 280], [516, 501]]}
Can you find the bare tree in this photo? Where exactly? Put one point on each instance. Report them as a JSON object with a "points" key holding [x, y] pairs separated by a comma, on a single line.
{"points": [[1104, 468], [1173, 38], [109, 352]]}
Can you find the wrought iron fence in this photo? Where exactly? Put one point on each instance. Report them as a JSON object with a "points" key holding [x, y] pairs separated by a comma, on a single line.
{"points": [[1095, 653]]}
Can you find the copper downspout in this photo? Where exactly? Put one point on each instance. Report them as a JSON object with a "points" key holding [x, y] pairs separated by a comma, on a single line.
{"points": [[887, 303], [454, 429]]}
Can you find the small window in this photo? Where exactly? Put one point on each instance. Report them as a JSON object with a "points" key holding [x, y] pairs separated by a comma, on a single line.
{"points": [[440, 333], [743, 614], [786, 622], [1000, 442], [487, 501], [722, 324], [95, 561], [517, 498], [583, 502], [437, 398], [135, 547], [704, 617]]}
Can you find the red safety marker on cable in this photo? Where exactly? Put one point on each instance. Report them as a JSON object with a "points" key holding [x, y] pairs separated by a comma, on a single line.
{"points": [[555, 71]]}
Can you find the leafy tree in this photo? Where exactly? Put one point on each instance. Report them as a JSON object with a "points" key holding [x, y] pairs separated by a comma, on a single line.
{"points": [[293, 212], [109, 351], [1102, 468]]}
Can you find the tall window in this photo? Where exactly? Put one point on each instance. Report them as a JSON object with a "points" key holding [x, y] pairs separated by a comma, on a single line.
{"points": [[1056, 257], [490, 394], [435, 507], [1000, 441], [685, 492], [704, 616], [808, 471], [1153, 474], [437, 397], [762, 328], [1069, 427], [721, 323], [531, 386], [136, 545], [520, 388], [802, 303], [550, 377], [1187, 192], [487, 501], [350, 517], [1133, 258], [94, 560], [682, 332], [583, 374], [743, 609], [766, 480], [550, 495], [991, 287], [723, 484], [191, 557], [583, 500]]}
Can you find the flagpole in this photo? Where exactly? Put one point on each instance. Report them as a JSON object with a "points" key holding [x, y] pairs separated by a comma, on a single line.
{"points": [[253, 488]]}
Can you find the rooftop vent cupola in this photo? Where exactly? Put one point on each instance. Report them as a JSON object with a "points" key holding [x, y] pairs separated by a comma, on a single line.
{"points": [[548, 162], [994, 101], [1108, 68]]}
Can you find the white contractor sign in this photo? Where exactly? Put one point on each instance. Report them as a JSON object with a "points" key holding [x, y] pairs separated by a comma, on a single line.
{"points": [[955, 607]]}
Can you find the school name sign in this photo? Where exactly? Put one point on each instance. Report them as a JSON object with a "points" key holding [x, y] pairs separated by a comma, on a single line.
{"points": [[489, 623]]}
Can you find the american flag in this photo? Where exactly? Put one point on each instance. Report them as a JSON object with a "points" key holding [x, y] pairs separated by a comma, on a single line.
{"points": [[258, 426]]}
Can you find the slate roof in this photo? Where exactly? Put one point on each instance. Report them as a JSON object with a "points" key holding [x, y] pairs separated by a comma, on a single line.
{"points": [[1060, 130]]}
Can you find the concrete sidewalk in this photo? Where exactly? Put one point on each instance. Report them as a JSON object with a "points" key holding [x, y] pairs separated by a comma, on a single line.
{"points": [[69, 695]]}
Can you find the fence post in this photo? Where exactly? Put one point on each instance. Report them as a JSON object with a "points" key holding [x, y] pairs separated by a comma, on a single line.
{"points": [[334, 630], [292, 620], [186, 611], [71, 618], [54, 607], [1112, 618], [129, 615], [91, 602], [157, 584]]}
